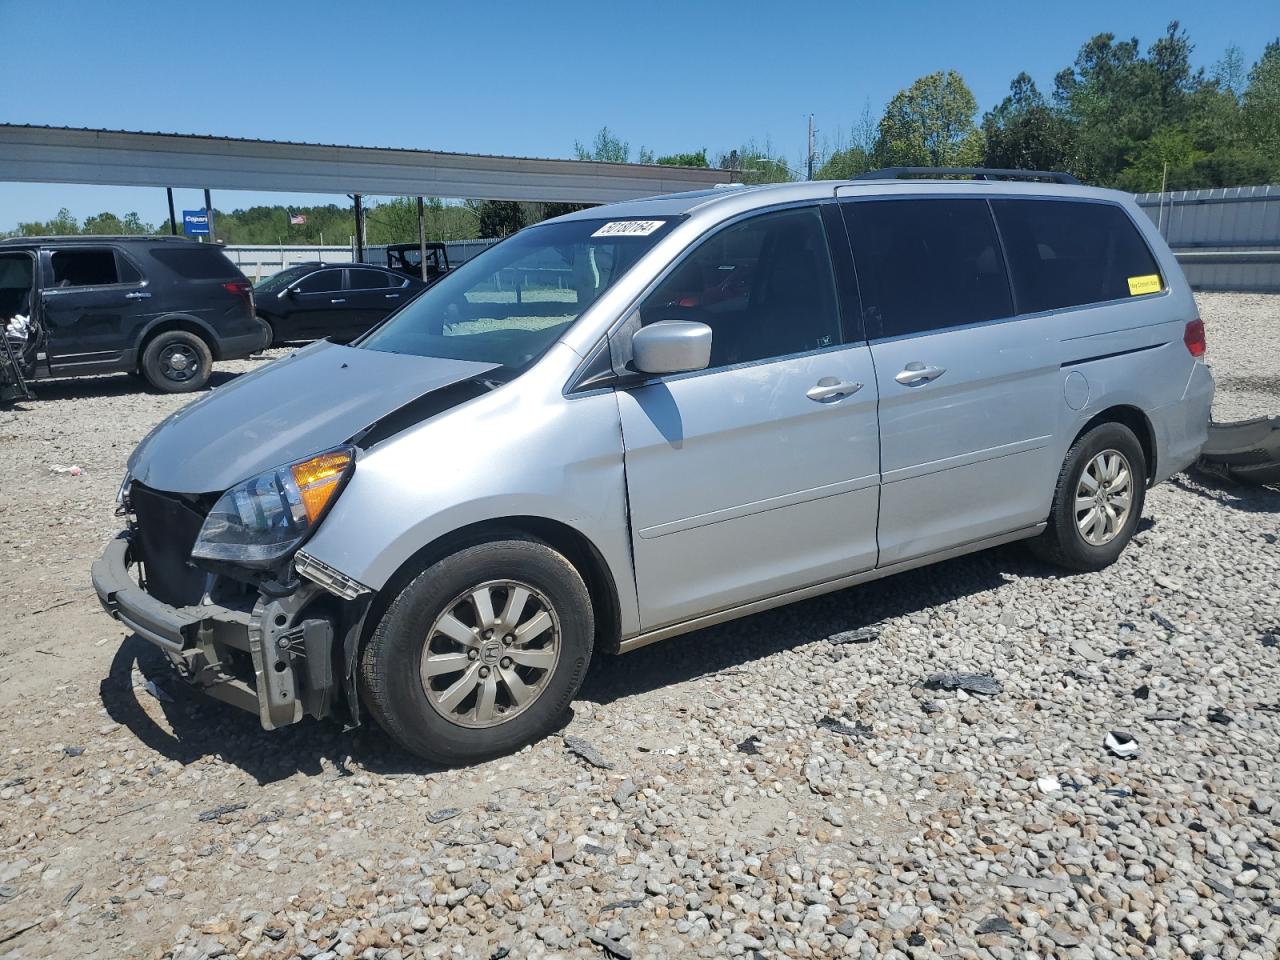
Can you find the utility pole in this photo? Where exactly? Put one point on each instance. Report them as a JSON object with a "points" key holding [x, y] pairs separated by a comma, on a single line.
{"points": [[359, 228], [208, 215], [173, 223], [422, 240], [810, 154]]}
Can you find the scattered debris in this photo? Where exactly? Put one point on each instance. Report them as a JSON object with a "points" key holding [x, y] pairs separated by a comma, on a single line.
{"points": [[71, 894], [500, 954], [440, 816], [861, 635], [1117, 792], [73, 470], [72, 751], [836, 725], [586, 751], [1123, 653], [930, 706], [1142, 692], [158, 691], [1218, 715], [274, 933], [621, 905], [969, 682], [8, 891], [1083, 649], [1121, 744], [220, 811], [1271, 638], [916, 939], [1049, 784], [610, 946], [994, 925], [750, 746], [1042, 884], [1163, 621]]}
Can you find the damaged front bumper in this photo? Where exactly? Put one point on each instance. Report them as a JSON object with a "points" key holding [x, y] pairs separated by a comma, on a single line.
{"points": [[271, 655]]}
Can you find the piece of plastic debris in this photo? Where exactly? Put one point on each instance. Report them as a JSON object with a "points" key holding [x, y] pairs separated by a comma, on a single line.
{"points": [[74, 469], [158, 691], [1142, 692], [994, 925], [586, 751], [969, 682], [73, 751], [861, 635], [836, 725], [1049, 784], [750, 746], [1121, 744], [220, 811], [440, 816], [1218, 715]]}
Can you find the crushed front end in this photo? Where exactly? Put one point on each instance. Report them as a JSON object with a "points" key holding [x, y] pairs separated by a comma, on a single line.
{"points": [[274, 632]]}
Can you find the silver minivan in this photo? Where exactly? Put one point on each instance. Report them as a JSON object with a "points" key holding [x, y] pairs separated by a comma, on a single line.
{"points": [[636, 420]]}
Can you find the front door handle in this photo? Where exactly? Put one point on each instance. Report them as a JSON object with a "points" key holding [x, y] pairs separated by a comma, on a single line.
{"points": [[343, 300], [829, 388], [392, 296], [138, 295], [917, 373]]}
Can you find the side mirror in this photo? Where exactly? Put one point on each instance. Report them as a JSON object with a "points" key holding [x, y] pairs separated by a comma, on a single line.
{"points": [[289, 292], [671, 346]]}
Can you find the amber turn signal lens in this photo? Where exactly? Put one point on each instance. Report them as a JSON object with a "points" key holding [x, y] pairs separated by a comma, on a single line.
{"points": [[318, 479]]}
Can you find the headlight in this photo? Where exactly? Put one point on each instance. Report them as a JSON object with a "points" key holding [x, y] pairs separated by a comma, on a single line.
{"points": [[124, 489], [259, 521]]}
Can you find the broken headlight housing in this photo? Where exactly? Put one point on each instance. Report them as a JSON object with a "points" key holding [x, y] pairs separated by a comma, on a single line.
{"points": [[260, 521]]}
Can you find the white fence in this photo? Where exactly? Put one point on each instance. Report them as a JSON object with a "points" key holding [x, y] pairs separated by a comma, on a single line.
{"points": [[261, 260]]}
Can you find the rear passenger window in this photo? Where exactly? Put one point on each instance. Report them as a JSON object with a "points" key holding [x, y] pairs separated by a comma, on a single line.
{"points": [[1066, 253], [197, 264], [84, 267], [764, 286], [366, 279], [926, 264]]}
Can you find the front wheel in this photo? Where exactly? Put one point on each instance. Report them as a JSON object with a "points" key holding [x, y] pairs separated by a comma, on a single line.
{"points": [[481, 653], [1098, 501], [177, 361]]}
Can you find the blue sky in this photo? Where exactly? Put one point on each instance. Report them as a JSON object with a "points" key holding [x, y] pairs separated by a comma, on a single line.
{"points": [[527, 78]]}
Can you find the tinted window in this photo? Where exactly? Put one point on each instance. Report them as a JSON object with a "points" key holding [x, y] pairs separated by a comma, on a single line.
{"points": [[1065, 253], [84, 268], [926, 264], [764, 286], [322, 281], [127, 272], [366, 279], [197, 264]]}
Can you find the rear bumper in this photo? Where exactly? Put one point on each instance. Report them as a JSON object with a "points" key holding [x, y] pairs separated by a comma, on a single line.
{"points": [[242, 345], [265, 658]]}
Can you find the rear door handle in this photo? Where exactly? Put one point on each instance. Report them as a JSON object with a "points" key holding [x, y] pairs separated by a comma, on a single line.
{"points": [[343, 300], [138, 295], [917, 373], [829, 388], [392, 296]]}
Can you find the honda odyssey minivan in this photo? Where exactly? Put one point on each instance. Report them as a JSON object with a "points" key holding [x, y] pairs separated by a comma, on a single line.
{"points": [[633, 421]]}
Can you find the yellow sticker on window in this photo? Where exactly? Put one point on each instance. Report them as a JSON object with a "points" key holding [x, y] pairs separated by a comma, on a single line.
{"points": [[1147, 284]]}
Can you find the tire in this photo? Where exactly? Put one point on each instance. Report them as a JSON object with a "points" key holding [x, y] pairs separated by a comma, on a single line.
{"points": [[271, 335], [177, 361], [1064, 542], [426, 715]]}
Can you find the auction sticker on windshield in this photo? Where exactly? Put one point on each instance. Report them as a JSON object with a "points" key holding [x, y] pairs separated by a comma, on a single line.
{"points": [[628, 228]]}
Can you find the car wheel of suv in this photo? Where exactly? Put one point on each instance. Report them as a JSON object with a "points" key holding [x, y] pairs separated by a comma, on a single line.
{"points": [[481, 653], [1099, 499], [177, 361]]}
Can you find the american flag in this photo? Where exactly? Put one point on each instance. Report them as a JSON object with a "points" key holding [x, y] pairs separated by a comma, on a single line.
{"points": [[297, 219]]}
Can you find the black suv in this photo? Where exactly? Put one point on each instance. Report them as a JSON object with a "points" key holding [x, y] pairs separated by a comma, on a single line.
{"points": [[165, 307]]}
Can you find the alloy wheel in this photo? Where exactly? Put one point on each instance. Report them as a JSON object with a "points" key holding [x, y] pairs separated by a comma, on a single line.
{"points": [[1104, 497]]}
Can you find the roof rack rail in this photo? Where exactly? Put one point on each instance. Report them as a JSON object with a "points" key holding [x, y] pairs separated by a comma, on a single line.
{"points": [[99, 238], [978, 173]]}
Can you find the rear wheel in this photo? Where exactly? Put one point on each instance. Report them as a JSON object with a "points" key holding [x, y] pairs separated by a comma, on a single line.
{"points": [[481, 653], [1098, 502], [177, 361]]}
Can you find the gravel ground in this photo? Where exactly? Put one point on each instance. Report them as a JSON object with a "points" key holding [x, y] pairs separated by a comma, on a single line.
{"points": [[786, 785]]}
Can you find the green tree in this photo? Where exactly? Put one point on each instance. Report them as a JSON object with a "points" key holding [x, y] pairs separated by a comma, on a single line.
{"points": [[756, 163], [62, 225], [606, 148], [1261, 103], [698, 159], [931, 124], [1024, 132], [845, 164], [103, 224], [499, 218]]}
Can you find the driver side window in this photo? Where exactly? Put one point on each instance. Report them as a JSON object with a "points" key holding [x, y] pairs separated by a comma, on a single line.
{"points": [[764, 286]]}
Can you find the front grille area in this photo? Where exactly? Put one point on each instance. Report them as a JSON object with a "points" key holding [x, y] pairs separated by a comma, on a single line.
{"points": [[165, 529]]}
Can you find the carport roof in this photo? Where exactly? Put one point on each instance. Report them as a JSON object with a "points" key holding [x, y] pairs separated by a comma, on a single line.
{"points": [[47, 154]]}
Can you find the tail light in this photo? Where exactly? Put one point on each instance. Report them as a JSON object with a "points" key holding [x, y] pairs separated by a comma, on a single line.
{"points": [[241, 288], [1193, 337]]}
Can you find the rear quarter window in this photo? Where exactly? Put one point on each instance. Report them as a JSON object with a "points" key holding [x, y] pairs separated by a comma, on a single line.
{"points": [[1069, 253], [197, 264]]}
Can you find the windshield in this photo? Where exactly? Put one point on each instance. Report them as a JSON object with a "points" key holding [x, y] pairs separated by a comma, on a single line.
{"points": [[278, 281], [511, 303]]}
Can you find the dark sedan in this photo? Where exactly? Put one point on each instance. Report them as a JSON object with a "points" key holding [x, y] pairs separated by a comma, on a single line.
{"points": [[313, 301]]}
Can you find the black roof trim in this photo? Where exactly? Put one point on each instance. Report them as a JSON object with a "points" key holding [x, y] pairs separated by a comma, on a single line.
{"points": [[977, 173], [105, 237]]}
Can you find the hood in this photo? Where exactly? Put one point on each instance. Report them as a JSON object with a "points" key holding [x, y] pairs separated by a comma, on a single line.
{"points": [[314, 399]]}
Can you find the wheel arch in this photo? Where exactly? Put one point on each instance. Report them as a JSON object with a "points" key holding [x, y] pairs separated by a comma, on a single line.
{"points": [[1133, 418], [573, 544], [178, 321]]}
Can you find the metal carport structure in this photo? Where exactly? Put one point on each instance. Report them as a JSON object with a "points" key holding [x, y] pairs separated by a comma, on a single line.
{"points": [[43, 154]]}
